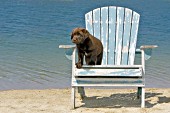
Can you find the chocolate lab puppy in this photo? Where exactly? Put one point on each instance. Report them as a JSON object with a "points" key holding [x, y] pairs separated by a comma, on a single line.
{"points": [[88, 46]]}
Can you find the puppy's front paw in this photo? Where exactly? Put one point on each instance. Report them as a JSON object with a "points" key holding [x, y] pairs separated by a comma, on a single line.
{"points": [[78, 65]]}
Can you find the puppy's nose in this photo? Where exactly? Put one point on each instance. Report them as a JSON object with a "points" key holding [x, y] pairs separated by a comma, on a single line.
{"points": [[74, 40]]}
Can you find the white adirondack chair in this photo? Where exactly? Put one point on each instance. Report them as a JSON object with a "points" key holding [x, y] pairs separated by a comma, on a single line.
{"points": [[117, 28]]}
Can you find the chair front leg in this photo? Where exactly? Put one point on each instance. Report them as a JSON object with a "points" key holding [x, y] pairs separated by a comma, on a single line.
{"points": [[143, 98], [73, 97]]}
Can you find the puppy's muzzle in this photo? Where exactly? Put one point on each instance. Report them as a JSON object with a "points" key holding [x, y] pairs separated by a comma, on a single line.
{"points": [[76, 39]]}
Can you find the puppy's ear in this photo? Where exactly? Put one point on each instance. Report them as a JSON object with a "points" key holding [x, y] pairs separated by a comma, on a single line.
{"points": [[72, 34], [85, 32], [73, 31]]}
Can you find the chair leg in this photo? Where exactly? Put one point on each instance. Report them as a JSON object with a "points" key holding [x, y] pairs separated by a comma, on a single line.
{"points": [[82, 92], [73, 97], [143, 98]]}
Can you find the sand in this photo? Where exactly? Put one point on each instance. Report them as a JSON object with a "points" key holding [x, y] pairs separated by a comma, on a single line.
{"points": [[97, 101]]}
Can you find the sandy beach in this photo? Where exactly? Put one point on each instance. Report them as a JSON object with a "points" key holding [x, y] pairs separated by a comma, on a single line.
{"points": [[97, 101]]}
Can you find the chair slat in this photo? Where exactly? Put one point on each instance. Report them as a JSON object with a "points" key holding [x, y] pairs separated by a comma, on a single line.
{"points": [[119, 34], [96, 22], [104, 32], [126, 36], [112, 29], [89, 22], [133, 40]]}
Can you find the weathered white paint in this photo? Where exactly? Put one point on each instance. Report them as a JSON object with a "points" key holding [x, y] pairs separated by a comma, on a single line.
{"points": [[112, 34], [108, 81], [126, 36], [89, 22], [112, 66], [73, 79], [143, 98], [104, 32], [67, 46], [73, 97], [133, 38], [96, 23], [119, 35], [143, 60], [109, 72], [108, 85]]}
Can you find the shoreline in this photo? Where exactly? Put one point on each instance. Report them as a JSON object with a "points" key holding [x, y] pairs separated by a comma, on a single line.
{"points": [[97, 101]]}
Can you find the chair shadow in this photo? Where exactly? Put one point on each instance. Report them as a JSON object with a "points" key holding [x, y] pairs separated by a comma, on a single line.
{"points": [[123, 100]]}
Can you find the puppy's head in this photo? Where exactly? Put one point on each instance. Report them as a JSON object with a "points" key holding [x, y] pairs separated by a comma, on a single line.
{"points": [[79, 35]]}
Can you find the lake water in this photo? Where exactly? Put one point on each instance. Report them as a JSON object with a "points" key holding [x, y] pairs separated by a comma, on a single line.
{"points": [[32, 30]]}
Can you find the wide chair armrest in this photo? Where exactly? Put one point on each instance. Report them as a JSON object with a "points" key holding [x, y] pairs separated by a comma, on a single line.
{"points": [[148, 46], [147, 50], [67, 46], [69, 49]]}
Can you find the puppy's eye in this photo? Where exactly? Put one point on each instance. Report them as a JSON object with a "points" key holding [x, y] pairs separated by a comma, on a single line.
{"points": [[78, 33]]}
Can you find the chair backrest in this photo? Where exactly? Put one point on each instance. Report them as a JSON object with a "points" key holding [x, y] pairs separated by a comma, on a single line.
{"points": [[117, 28]]}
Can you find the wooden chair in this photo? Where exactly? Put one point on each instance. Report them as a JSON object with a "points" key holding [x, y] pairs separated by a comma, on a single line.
{"points": [[117, 28]]}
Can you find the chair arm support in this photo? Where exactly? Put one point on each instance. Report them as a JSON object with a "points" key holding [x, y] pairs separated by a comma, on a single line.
{"points": [[148, 50], [68, 50]]}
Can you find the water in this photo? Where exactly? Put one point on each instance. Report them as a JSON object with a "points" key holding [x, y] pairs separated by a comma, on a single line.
{"points": [[32, 30]]}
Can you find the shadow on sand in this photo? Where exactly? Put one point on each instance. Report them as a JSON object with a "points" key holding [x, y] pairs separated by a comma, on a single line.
{"points": [[123, 100]]}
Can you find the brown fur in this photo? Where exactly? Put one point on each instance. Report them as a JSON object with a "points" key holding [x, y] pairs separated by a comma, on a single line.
{"points": [[88, 46]]}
